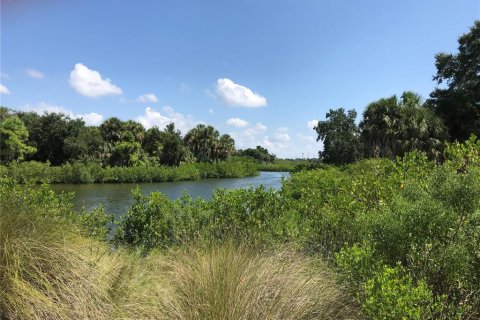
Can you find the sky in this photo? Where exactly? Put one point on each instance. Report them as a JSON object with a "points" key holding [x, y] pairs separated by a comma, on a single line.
{"points": [[263, 71]]}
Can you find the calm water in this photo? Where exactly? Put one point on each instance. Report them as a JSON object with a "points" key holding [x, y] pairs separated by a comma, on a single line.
{"points": [[117, 197]]}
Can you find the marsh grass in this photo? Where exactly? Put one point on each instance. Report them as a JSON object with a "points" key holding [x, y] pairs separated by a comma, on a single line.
{"points": [[228, 281], [49, 271]]}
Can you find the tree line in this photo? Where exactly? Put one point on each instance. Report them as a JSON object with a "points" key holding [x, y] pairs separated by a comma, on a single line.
{"points": [[392, 127], [56, 138]]}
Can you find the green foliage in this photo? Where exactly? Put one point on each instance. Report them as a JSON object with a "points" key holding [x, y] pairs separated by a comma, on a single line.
{"points": [[340, 137], [392, 127], [259, 153], [391, 294], [458, 103], [207, 145], [44, 203], [249, 216], [91, 172], [13, 140], [52, 134]]}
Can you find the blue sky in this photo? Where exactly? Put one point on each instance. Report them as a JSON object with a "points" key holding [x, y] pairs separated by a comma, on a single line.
{"points": [[260, 70]]}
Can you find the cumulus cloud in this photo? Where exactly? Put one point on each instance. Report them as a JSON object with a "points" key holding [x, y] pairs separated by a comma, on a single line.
{"points": [[148, 97], [91, 119], [249, 137], [237, 122], [151, 118], [279, 142], [312, 123], [306, 138], [3, 89], [281, 135], [90, 83], [235, 95], [35, 74]]}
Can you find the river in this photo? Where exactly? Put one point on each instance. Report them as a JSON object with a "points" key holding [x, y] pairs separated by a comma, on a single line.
{"points": [[115, 198]]}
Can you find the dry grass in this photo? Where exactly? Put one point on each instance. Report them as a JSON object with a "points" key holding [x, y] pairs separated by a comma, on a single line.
{"points": [[47, 271], [232, 282]]}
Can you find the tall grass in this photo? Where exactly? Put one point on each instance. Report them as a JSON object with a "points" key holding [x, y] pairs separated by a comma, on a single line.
{"points": [[49, 271], [234, 282]]}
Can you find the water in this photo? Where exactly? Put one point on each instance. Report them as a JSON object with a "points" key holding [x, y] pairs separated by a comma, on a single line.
{"points": [[117, 197]]}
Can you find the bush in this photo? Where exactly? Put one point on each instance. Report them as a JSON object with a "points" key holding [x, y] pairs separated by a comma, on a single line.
{"points": [[249, 216], [392, 294], [78, 172]]}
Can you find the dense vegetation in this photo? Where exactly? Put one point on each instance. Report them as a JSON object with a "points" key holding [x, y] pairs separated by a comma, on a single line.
{"points": [[78, 172], [402, 234], [54, 148], [393, 232]]}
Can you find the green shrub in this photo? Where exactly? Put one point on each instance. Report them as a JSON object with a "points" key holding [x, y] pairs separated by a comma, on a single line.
{"points": [[79, 172], [392, 294]]}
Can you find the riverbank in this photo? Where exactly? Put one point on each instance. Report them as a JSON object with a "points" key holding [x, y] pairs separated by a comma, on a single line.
{"points": [[116, 198], [400, 237], [81, 173]]}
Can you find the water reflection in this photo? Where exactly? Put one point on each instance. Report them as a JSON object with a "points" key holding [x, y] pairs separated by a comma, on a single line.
{"points": [[117, 197]]}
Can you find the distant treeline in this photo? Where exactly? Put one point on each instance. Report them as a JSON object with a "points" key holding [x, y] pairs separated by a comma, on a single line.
{"points": [[58, 139]]}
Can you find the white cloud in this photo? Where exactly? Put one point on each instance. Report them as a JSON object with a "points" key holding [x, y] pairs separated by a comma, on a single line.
{"points": [[279, 142], [35, 74], [312, 123], [256, 129], [249, 137], [151, 118], [91, 119], [148, 97], [3, 89], [306, 138], [237, 122], [90, 83], [281, 135], [236, 95]]}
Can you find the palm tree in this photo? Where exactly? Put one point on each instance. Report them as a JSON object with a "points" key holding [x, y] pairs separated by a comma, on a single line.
{"points": [[419, 128], [391, 128], [202, 140], [207, 145], [226, 147], [379, 127]]}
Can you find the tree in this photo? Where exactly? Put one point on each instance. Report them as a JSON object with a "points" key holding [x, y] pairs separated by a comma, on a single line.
{"points": [[226, 147], [392, 127], [459, 103], [173, 151], [152, 144], [111, 130], [206, 144], [419, 128], [379, 128], [340, 136], [13, 140], [259, 153], [49, 132], [88, 145]]}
